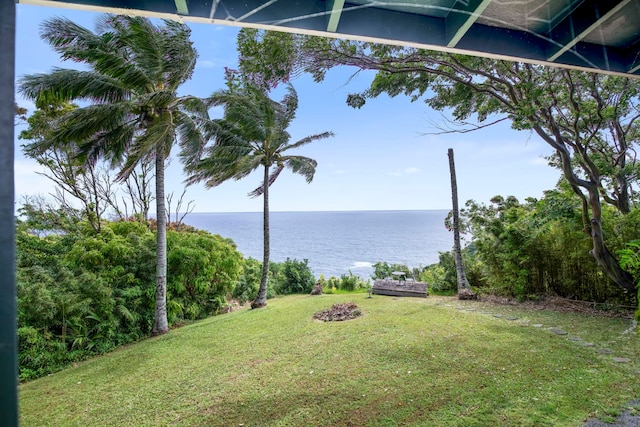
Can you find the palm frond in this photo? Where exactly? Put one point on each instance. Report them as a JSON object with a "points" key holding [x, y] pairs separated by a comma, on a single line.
{"points": [[82, 124], [104, 52], [70, 40], [64, 85], [179, 54], [307, 140], [215, 169], [301, 165], [159, 134], [145, 42], [195, 106], [259, 191], [252, 133], [111, 144], [289, 105]]}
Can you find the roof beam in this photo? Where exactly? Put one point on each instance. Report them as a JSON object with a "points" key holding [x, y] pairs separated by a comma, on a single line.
{"points": [[181, 7], [335, 7], [583, 21], [458, 22]]}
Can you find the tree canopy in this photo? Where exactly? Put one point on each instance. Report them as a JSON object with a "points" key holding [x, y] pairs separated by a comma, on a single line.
{"points": [[134, 113], [252, 135], [590, 120]]}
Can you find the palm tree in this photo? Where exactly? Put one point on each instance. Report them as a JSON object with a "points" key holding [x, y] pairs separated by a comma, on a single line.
{"points": [[252, 134], [134, 114]]}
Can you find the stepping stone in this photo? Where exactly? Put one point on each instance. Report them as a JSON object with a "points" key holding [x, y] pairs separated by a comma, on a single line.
{"points": [[511, 317], [587, 344], [621, 359], [537, 325], [558, 331], [575, 339], [605, 351], [497, 315]]}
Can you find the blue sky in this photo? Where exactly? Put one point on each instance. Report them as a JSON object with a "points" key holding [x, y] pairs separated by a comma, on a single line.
{"points": [[379, 159]]}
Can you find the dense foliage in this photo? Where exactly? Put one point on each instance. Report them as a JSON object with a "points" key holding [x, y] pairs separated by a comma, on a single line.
{"points": [[131, 113], [82, 293], [292, 277], [344, 283], [590, 120], [538, 248]]}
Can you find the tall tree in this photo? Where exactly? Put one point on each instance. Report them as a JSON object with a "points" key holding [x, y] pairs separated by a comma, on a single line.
{"points": [[252, 135], [463, 284], [590, 120], [134, 113]]}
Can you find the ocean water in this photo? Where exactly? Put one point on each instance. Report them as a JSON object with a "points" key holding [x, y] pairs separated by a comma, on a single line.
{"points": [[336, 243]]}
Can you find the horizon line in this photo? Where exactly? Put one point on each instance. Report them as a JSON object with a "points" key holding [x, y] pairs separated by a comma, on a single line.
{"points": [[324, 211]]}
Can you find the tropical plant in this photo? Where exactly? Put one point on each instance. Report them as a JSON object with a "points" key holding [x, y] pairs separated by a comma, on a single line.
{"points": [[82, 293], [251, 135], [134, 113], [630, 260], [294, 277]]}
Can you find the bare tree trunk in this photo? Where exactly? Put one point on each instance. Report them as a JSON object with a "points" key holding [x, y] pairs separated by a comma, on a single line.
{"points": [[463, 283], [160, 323], [261, 299]]}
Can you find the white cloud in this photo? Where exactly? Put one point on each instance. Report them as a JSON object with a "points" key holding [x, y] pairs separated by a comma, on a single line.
{"points": [[206, 64], [406, 171], [28, 181], [539, 161]]}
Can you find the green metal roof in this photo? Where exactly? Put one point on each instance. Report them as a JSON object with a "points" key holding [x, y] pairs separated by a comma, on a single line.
{"points": [[601, 35]]}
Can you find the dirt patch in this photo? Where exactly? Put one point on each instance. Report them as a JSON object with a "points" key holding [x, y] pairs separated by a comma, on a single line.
{"points": [[339, 312], [565, 305]]}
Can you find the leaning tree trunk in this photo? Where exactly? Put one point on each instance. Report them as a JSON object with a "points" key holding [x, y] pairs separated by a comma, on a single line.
{"points": [[160, 323], [261, 299], [606, 260], [463, 283]]}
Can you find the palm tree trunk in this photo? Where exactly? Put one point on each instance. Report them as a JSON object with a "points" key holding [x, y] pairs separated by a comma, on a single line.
{"points": [[261, 299], [463, 283], [160, 323]]}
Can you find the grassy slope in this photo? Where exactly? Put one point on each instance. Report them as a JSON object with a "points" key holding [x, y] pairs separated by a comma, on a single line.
{"points": [[405, 362]]}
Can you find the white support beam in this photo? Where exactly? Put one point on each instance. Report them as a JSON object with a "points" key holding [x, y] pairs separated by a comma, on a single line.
{"points": [[336, 12], [181, 7], [595, 24], [457, 27]]}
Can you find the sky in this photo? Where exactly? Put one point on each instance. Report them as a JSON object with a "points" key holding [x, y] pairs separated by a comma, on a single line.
{"points": [[383, 156]]}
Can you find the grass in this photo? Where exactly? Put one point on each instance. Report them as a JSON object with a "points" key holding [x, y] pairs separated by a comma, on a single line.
{"points": [[415, 362]]}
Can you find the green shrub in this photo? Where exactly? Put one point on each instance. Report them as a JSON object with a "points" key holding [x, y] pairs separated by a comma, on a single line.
{"points": [[344, 283], [630, 261], [293, 277], [202, 269], [82, 293], [383, 270], [246, 288]]}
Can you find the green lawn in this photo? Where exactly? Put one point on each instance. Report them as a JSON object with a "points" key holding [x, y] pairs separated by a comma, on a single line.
{"points": [[421, 362]]}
